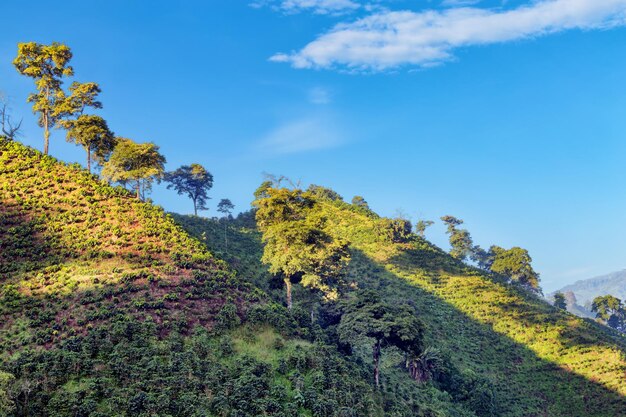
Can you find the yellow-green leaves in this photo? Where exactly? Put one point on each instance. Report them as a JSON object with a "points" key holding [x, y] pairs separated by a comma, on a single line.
{"points": [[47, 65]]}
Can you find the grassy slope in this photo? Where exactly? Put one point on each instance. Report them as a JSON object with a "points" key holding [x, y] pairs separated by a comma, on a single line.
{"points": [[542, 361], [108, 308], [67, 240]]}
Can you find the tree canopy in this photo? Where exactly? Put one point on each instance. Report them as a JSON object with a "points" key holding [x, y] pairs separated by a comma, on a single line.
{"points": [[559, 300], [610, 310], [460, 239], [514, 263], [367, 318], [422, 225], [296, 245], [46, 65], [136, 163], [93, 134], [194, 181]]}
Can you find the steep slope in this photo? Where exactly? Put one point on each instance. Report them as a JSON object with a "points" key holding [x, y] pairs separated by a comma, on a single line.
{"points": [[108, 308], [67, 239], [538, 360], [588, 289]]}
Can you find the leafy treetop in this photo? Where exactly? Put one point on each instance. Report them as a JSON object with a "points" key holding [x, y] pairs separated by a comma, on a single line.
{"points": [[194, 181]]}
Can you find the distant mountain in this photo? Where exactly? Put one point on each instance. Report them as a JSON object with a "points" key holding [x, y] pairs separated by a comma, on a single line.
{"points": [[586, 290]]}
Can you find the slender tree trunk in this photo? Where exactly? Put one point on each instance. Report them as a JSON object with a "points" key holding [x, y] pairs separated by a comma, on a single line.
{"points": [[288, 288], [225, 235], [195, 207], [376, 355], [46, 130], [89, 159], [46, 134], [138, 190]]}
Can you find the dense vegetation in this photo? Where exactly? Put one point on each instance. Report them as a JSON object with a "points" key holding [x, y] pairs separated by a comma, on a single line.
{"points": [[521, 355], [108, 308]]}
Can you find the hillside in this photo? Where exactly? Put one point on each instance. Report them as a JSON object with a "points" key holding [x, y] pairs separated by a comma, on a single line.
{"points": [[588, 289], [530, 358], [107, 307]]}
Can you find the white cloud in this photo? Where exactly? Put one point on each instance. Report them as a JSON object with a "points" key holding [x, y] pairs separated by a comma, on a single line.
{"points": [[315, 6], [303, 135], [319, 95], [390, 39], [457, 3]]}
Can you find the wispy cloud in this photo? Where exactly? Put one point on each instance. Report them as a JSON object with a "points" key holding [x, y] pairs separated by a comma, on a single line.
{"points": [[315, 6], [458, 3], [319, 95], [389, 39], [304, 135]]}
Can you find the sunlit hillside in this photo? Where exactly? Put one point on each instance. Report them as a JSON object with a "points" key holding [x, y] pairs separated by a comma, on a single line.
{"points": [[538, 360]]}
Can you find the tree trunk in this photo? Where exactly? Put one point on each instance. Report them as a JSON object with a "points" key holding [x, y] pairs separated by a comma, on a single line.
{"points": [[89, 159], [138, 190], [376, 355], [195, 207], [46, 130], [225, 235], [288, 287], [46, 134]]}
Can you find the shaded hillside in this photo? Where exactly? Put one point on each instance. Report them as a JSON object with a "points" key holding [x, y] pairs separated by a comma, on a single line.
{"points": [[107, 307], [539, 361], [588, 289]]}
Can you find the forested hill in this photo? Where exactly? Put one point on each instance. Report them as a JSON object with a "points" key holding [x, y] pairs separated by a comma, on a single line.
{"points": [[109, 307], [530, 358]]}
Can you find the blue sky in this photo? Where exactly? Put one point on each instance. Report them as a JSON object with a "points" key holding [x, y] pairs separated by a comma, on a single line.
{"points": [[510, 115]]}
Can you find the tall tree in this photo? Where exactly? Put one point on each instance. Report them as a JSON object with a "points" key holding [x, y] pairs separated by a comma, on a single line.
{"points": [[460, 239], [516, 264], [359, 201], [194, 181], [297, 247], [137, 163], [82, 95], [559, 300], [368, 319], [47, 65], [93, 134], [225, 207], [610, 310], [483, 258], [422, 225]]}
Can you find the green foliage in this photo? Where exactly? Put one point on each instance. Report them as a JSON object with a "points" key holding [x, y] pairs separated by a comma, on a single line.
{"points": [[366, 318], [460, 239], [296, 244], [514, 263], [136, 163], [93, 134], [611, 310], [422, 225], [324, 193], [359, 201], [225, 206], [7, 382], [46, 65], [194, 181], [559, 300], [108, 308]]}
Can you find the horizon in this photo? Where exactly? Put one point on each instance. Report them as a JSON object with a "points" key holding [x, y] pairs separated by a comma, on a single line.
{"points": [[519, 134]]}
